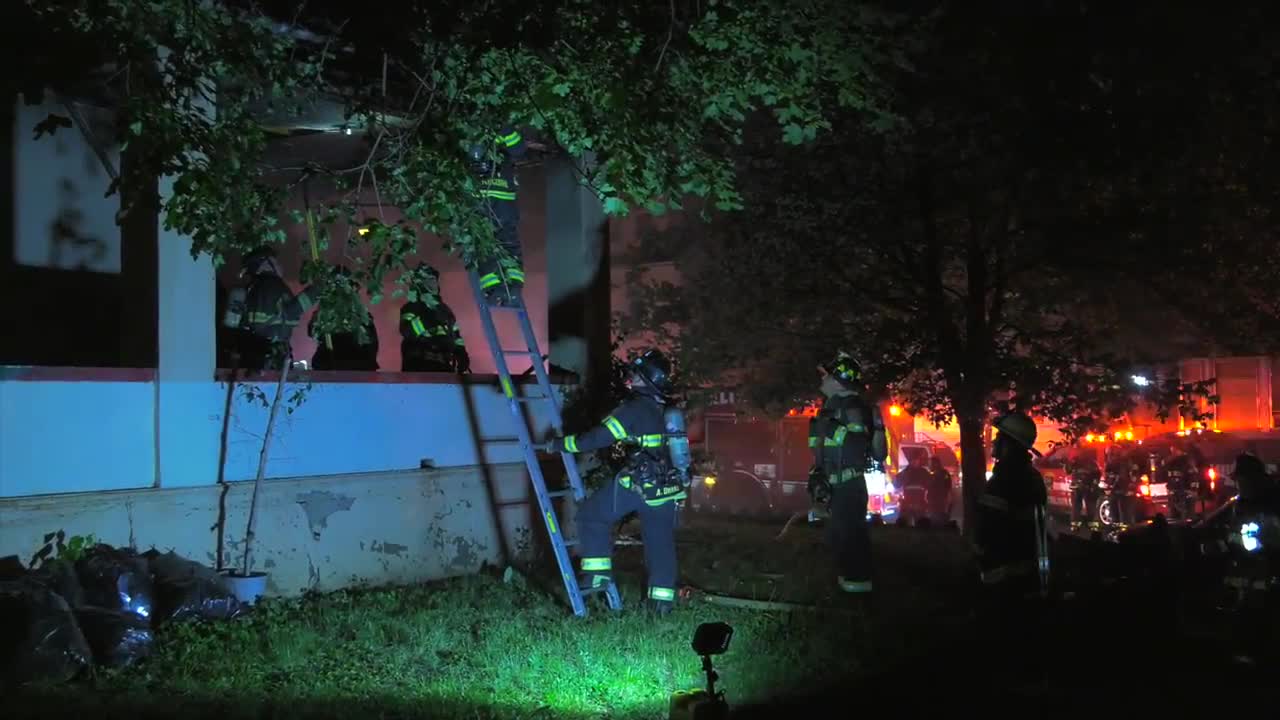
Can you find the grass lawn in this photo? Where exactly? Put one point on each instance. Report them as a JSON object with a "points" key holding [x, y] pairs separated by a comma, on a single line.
{"points": [[477, 647]]}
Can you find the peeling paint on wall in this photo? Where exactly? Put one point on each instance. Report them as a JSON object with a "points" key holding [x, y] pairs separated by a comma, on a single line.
{"points": [[387, 548], [319, 505], [445, 534], [313, 574], [465, 555]]}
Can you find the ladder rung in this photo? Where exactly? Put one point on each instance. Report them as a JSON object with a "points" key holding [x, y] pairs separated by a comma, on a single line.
{"points": [[513, 351], [593, 590], [559, 493], [499, 440], [531, 398], [570, 543]]}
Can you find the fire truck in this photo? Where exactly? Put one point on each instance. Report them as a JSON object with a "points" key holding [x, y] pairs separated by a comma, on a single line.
{"points": [[762, 464]]}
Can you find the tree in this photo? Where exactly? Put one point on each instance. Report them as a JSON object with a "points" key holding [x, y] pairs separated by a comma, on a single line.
{"points": [[651, 88], [964, 258]]}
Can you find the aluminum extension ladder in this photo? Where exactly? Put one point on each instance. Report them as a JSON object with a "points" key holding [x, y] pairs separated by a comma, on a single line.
{"points": [[547, 394]]}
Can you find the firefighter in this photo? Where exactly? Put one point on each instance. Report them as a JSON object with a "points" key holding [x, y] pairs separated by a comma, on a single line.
{"points": [[848, 439], [1011, 533], [264, 311], [354, 350], [913, 483], [648, 484], [1181, 472], [430, 340], [501, 274], [1252, 578], [1084, 476], [939, 497]]}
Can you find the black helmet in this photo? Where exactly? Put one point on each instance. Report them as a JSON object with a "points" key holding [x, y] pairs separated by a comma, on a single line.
{"points": [[845, 369], [426, 279], [262, 259], [654, 367], [1248, 465], [1020, 428]]}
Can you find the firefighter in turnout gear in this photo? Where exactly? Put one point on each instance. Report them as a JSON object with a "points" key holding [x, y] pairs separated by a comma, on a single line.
{"points": [[430, 341], [502, 274], [1012, 547], [264, 312], [848, 439], [1251, 581], [1010, 523], [650, 484], [1011, 544]]}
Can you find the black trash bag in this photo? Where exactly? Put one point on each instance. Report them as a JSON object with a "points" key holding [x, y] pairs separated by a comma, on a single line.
{"points": [[117, 638], [39, 636], [185, 589], [116, 579], [11, 568], [60, 577]]}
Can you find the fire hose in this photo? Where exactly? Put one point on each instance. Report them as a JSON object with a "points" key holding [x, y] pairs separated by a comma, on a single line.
{"points": [[689, 592]]}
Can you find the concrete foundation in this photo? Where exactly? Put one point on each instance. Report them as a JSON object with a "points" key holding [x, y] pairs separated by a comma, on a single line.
{"points": [[312, 533]]}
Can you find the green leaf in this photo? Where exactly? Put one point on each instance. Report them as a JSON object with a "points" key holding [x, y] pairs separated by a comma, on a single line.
{"points": [[615, 206]]}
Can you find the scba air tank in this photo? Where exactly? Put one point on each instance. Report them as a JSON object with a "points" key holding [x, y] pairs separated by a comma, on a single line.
{"points": [[677, 440]]}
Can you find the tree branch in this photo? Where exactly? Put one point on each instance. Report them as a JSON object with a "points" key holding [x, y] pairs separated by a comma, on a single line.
{"points": [[670, 32]]}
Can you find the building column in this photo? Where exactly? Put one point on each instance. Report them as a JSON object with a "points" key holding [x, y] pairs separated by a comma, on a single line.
{"points": [[187, 429], [578, 315], [138, 271]]}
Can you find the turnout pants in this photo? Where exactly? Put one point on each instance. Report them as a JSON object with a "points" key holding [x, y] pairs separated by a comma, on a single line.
{"points": [[1082, 505], [420, 359], [1012, 626], [597, 516], [258, 353], [497, 272], [850, 535]]}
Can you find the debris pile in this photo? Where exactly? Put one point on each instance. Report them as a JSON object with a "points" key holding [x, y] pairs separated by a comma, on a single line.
{"points": [[98, 607]]}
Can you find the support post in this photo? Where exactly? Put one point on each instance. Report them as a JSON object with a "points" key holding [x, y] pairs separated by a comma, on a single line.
{"points": [[578, 290]]}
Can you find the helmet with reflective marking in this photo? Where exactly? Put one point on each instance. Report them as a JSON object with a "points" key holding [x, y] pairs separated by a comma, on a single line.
{"points": [[845, 369]]}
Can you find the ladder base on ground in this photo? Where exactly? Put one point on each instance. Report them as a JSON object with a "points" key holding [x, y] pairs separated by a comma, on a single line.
{"points": [[546, 396]]}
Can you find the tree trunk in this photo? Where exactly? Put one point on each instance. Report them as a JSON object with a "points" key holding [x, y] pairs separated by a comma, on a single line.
{"points": [[973, 465]]}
